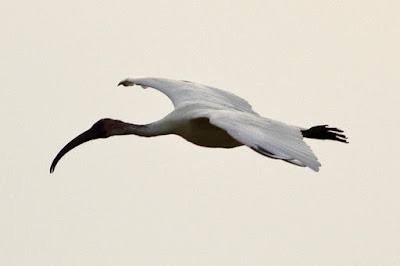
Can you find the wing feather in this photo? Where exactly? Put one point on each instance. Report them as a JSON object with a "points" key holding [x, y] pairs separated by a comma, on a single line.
{"points": [[183, 92], [268, 137]]}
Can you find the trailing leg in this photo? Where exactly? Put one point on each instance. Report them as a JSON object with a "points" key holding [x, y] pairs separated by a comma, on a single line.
{"points": [[324, 132]]}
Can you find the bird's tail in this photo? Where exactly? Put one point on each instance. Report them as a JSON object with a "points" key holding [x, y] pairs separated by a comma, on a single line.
{"points": [[324, 132]]}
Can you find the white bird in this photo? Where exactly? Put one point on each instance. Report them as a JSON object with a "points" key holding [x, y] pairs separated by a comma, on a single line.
{"points": [[211, 117]]}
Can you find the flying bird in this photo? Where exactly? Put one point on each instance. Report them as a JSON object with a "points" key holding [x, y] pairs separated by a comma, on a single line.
{"points": [[211, 117]]}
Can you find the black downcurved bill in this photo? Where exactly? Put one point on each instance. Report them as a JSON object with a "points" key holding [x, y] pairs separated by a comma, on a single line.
{"points": [[82, 138]]}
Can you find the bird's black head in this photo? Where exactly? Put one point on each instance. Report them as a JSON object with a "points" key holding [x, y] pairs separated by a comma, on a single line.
{"points": [[101, 129], [98, 129]]}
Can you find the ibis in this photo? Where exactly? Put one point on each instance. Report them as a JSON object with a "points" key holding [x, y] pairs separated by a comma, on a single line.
{"points": [[210, 117]]}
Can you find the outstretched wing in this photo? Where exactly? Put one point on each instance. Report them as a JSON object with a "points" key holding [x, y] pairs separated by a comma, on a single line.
{"points": [[184, 92], [268, 137]]}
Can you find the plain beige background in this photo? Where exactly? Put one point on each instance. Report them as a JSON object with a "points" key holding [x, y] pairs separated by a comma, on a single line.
{"points": [[163, 201]]}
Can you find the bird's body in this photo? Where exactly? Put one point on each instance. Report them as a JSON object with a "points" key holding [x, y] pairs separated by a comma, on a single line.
{"points": [[201, 132], [211, 117]]}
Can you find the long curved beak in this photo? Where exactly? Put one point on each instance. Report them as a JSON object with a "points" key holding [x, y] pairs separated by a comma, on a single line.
{"points": [[82, 138]]}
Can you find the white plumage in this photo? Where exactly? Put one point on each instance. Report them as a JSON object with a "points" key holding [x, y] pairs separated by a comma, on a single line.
{"points": [[211, 117], [234, 115]]}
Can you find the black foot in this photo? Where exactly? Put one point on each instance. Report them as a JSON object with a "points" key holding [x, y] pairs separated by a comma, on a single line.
{"points": [[324, 132]]}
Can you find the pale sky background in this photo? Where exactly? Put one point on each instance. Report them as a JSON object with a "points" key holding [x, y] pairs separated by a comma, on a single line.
{"points": [[163, 201]]}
